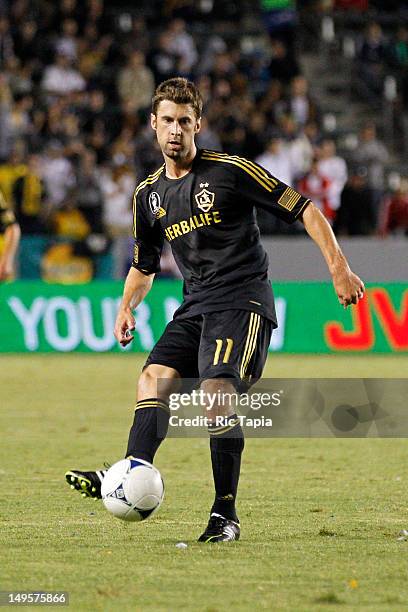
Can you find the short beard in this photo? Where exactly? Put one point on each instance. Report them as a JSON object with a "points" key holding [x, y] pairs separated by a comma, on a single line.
{"points": [[175, 155]]}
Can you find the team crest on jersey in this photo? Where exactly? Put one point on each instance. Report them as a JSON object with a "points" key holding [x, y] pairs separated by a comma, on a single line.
{"points": [[204, 198], [154, 205]]}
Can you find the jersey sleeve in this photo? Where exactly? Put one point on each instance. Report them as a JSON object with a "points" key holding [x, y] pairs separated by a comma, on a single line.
{"points": [[7, 216], [260, 188], [148, 239]]}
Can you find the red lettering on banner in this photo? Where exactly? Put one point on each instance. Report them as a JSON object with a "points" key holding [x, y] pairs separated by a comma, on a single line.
{"points": [[394, 324], [361, 338]]}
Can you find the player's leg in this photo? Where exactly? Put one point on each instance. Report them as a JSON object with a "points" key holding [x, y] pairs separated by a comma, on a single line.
{"points": [[226, 446], [233, 351], [174, 355], [151, 419]]}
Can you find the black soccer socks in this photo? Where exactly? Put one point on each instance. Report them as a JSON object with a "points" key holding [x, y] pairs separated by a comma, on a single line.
{"points": [[149, 429], [226, 444]]}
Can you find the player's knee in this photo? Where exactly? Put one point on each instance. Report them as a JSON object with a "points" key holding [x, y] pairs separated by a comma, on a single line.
{"points": [[157, 381], [220, 397]]}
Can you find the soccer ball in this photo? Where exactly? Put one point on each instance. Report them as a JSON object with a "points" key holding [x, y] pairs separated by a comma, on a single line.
{"points": [[132, 489]]}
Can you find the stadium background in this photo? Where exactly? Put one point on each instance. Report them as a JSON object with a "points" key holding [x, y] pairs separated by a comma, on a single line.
{"points": [[316, 92]]}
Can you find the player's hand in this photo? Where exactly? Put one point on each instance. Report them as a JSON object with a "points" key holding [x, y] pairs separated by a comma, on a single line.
{"points": [[348, 286], [125, 324]]}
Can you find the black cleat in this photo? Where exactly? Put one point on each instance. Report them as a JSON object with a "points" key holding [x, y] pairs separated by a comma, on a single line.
{"points": [[220, 529], [88, 483]]}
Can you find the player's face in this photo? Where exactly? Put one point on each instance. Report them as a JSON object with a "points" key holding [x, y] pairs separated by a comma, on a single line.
{"points": [[175, 126]]}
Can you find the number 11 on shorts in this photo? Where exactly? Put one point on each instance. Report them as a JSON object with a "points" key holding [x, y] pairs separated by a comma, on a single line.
{"points": [[219, 344]]}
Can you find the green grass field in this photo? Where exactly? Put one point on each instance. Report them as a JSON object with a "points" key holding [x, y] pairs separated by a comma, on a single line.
{"points": [[320, 518]]}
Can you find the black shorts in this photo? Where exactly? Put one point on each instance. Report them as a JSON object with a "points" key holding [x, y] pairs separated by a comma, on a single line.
{"points": [[226, 344]]}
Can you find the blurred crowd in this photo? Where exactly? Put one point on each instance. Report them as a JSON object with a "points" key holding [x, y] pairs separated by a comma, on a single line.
{"points": [[75, 91]]}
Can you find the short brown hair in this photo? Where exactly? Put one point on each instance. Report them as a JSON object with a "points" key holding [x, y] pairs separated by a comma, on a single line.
{"points": [[179, 91]]}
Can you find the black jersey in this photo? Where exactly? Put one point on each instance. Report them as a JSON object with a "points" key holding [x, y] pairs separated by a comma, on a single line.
{"points": [[208, 217], [6, 215]]}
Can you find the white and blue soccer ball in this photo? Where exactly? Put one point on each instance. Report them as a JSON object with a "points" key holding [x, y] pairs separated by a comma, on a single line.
{"points": [[132, 490]]}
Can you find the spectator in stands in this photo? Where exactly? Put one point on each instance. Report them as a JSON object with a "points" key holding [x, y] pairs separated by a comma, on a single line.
{"points": [[88, 194], [20, 77], [283, 65], [123, 147], [6, 42], [28, 44], [213, 46], [277, 159], [67, 9], [223, 68], [58, 175], [256, 134], [162, 60], [371, 61], [298, 145], [300, 104], [139, 32], [316, 186], [60, 78], [100, 124], [372, 154], [29, 197], [183, 46], [303, 147], [395, 212], [136, 83], [95, 111], [93, 54], [11, 170], [334, 168], [272, 103], [5, 112], [399, 48], [118, 184], [356, 215], [67, 43]]}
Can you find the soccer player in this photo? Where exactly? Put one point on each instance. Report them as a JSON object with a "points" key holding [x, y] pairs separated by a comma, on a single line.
{"points": [[203, 203], [9, 240]]}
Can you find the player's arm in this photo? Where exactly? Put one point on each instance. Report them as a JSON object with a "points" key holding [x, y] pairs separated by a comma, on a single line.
{"points": [[11, 242], [137, 286], [145, 264], [265, 191], [348, 286]]}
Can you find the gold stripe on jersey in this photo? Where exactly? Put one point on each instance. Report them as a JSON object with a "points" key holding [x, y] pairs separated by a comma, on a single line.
{"points": [[152, 178], [302, 208], [226, 160], [254, 323], [261, 172], [250, 168], [289, 199]]}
